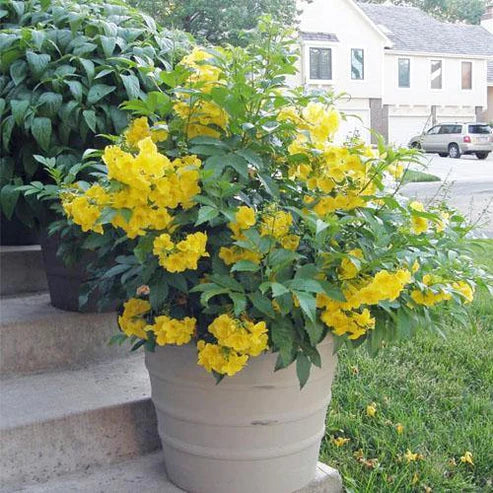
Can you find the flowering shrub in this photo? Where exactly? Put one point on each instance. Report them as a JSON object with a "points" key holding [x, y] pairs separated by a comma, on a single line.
{"points": [[256, 231]]}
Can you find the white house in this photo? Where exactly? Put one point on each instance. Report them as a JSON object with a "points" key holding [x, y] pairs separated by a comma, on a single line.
{"points": [[402, 69]]}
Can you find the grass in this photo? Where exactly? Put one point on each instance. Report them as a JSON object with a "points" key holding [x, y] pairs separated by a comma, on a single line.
{"points": [[413, 176], [438, 389]]}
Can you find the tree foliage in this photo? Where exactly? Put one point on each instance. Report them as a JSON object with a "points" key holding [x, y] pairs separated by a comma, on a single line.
{"points": [[449, 10], [218, 21]]}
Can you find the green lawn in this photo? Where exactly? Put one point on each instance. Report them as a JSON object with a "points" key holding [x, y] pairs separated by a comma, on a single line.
{"points": [[439, 390], [413, 176]]}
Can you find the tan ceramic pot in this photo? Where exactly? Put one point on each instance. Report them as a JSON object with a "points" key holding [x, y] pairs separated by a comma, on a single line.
{"points": [[255, 432]]}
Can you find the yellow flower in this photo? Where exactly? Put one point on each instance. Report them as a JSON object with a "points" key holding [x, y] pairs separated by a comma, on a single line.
{"points": [[183, 255], [465, 290], [419, 224], [371, 410], [221, 360], [173, 331], [139, 129], [132, 320], [290, 242], [245, 217], [411, 457], [340, 441], [399, 428], [276, 224], [467, 458], [348, 269]]}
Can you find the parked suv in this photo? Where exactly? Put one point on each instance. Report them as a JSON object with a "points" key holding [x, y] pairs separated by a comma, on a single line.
{"points": [[455, 139]]}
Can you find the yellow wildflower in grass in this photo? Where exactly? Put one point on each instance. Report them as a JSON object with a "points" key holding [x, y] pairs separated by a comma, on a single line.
{"points": [[467, 458], [173, 331], [340, 441], [132, 321], [139, 129], [371, 410], [399, 428], [419, 224], [412, 457]]}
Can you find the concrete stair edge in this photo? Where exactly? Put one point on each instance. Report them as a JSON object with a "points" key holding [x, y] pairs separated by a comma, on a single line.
{"points": [[22, 270], [61, 422], [147, 474], [35, 336]]}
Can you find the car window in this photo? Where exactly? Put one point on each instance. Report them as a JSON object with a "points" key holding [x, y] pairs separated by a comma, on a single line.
{"points": [[434, 130], [479, 129], [446, 129], [457, 129]]}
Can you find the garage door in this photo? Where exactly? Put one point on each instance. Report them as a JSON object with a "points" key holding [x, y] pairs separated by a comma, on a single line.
{"points": [[403, 127]]}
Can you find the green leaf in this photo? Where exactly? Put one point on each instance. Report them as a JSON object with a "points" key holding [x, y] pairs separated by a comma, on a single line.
{"points": [[245, 266], [51, 103], [37, 62], [90, 119], [8, 199], [108, 45], [303, 367], [308, 285], [18, 109], [41, 130], [116, 270], [205, 214], [88, 67], [8, 125], [308, 304], [18, 71], [262, 304], [98, 91], [239, 302], [132, 86], [207, 295], [315, 331], [75, 89]]}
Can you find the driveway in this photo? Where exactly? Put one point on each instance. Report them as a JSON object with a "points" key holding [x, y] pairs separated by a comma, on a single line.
{"points": [[467, 185]]}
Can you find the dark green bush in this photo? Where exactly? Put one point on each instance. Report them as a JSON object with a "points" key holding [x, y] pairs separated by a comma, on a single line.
{"points": [[65, 69]]}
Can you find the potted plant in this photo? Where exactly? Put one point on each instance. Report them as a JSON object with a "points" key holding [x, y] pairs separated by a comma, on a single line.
{"points": [[66, 68], [257, 246]]}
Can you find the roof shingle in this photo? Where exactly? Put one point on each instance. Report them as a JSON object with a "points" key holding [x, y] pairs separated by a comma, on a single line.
{"points": [[411, 29]]}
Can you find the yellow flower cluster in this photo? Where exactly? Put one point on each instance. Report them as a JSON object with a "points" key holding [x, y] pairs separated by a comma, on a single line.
{"points": [[235, 254], [173, 331], [244, 219], [201, 117], [182, 255], [419, 224], [343, 317], [148, 184], [432, 297], [139, 129], [237, 340], [132, 321]]}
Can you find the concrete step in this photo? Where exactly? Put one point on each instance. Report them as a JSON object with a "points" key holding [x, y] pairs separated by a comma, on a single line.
{"points": [[36, 336], [61, 422], [147, 475], [21, 270]]}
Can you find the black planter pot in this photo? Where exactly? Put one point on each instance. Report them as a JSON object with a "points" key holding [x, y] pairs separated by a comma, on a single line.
{"points": [[65, 283], [15, 233]]}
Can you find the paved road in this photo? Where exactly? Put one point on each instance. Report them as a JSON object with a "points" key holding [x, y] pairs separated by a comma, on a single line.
{"points": [[467, 184]]}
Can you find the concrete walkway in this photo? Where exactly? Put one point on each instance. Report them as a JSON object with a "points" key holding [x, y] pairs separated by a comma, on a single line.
{"points": [[467, 185]]}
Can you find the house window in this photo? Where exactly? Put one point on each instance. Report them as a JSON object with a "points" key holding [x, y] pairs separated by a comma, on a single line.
{"points": [[404, 72], [357, 64], [466, 75], [436, 74], [320, 63]]}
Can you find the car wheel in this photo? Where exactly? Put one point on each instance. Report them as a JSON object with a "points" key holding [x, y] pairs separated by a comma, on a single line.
{"points": [[416, 145], [442, 154], [454, 151], [482, 155]]}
